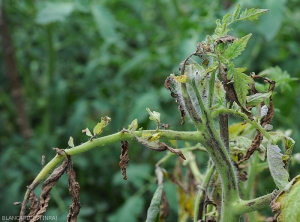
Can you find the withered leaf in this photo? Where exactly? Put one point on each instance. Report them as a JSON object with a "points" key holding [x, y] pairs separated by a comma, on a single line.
{"points": [[87, 132], [17, 203], [74, 190], [172, 150], [34, 204], [35, 213], [164, 207], [124, 158], [59, 151]]}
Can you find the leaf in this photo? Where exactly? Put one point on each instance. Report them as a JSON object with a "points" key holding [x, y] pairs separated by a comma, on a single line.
{"points": [[100, 126], [87, 132], [241, 86], [133, 125], [154, 208], [264, 111], [221, 29], [287, 202], [236, 12], [288, 145], [257, 98], [276, 166], [74, 190], [155, 116], [237, 129], [236, 48], [124, 158], [153, 211], [71, 142], [251, 14], [54, 12], [282, 78], [232, 70]]}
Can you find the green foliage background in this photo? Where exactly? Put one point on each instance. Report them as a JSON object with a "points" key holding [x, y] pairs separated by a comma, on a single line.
{"points": [[81, 60]]}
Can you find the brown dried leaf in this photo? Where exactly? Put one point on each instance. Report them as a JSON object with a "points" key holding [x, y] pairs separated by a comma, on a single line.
{"points": [[34, 204], [124, 157], [254, 145], [225, 39], [165, 125], [164, 207], [167, 85], [59, 151], [74, 190], [46, 188], [172, 150]]}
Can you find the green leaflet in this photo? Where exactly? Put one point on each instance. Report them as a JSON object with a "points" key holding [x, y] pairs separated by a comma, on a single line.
{"points": [[251, 14], [276, 166], [100, 126], [241, 85], [133, 125], [236, 12], [71, 142], [236, 48], [155, 116], [282, 78], [257, 98], [154, 208]]}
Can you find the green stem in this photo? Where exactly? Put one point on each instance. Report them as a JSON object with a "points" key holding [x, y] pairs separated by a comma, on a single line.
{"points": [[211, 89], [101, 142], [201, 193], [220, 156], [246, 206]]}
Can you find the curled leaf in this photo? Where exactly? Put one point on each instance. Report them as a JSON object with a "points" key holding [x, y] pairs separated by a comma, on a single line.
{"points": [[133, 125], [87, 132], [71, 142], [124, 158], [38, 209], [155, 116], [74, 190], [100, 126], [158, 146], [264, 111], [258, 98]]}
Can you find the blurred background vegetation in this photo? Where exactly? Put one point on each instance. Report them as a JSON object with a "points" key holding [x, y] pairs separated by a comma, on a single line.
{"points": [[65, 64]]}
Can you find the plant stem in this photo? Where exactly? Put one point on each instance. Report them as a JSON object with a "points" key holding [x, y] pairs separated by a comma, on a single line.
{"points": [[103, 141], [246, 206], [201, 193]]}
